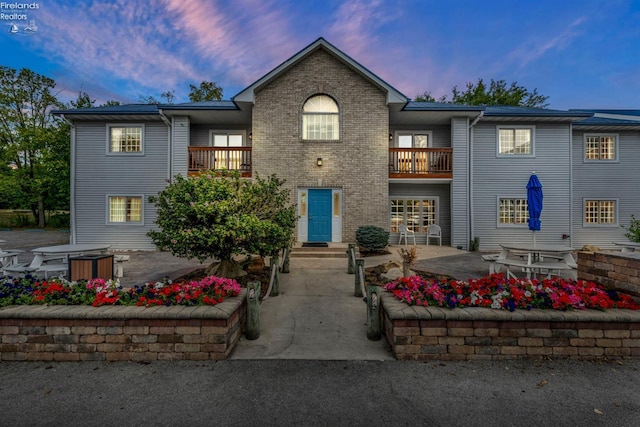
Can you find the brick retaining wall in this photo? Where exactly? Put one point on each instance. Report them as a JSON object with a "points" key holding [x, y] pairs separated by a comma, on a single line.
{"points": [[426, 333], [111, 333], [616, 270]]}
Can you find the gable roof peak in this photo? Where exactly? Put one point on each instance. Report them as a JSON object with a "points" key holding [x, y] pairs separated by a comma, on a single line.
{"points": [[248, 94]]}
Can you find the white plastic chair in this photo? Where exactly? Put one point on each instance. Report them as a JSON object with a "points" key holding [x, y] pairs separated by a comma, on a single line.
{"points": [[406, 233], [434, 232]]}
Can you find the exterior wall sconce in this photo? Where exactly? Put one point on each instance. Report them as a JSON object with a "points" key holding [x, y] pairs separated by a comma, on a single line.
{"points": [[319, 161], [250, 135], [390, 137]]}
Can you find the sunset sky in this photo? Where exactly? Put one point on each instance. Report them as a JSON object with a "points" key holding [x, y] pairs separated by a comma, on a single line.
{"points": [[582, 54]]}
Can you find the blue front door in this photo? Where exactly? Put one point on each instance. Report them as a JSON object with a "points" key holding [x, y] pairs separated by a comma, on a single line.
{"points": [[319, 215]]}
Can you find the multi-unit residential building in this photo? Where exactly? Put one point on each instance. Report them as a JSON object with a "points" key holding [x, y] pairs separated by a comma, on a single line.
{"points": [[355, 151]]}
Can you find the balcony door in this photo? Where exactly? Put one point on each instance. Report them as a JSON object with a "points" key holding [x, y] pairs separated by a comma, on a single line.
{"points": [[226, 159], [413, 161]]}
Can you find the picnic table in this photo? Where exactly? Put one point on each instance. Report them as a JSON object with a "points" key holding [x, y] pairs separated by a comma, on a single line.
{"points": [[534, 259], [50, 259]]}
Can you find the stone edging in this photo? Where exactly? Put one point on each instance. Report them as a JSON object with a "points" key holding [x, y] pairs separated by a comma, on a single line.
{"points": [[121, 332], [422, 333]]}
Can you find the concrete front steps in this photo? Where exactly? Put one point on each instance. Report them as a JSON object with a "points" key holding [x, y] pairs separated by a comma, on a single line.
{"points": [[330, 252]]}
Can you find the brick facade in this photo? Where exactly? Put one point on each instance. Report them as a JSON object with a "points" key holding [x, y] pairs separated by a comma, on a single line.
{"points": [[616, 270], [358, 163], [427, 333], [75, 333]]}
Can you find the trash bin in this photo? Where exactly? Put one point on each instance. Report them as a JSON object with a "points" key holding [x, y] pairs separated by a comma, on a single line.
{"points": [[89, 267]]}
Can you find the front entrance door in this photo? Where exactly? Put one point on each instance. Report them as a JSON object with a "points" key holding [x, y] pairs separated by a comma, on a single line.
{"points": [[319, 215]]}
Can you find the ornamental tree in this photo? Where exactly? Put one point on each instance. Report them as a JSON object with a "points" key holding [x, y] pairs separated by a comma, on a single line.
{"points": [[220, 215]]}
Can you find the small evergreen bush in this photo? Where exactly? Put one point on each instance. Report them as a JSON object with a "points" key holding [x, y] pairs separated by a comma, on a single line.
{"points": [[633, 231], [371, 238]]}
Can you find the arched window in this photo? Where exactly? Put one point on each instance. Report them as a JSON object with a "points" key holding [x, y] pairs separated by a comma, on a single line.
{"points": [[320, 119]]}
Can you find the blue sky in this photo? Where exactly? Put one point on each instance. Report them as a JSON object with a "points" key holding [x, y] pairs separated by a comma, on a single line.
{"points": [[582, 54]]}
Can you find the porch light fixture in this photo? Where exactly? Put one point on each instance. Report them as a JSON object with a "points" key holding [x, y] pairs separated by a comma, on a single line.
{"points": [[319, 161], [250, 135], [390, 137]]}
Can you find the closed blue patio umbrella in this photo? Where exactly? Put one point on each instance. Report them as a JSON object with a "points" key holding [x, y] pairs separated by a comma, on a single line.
{"points": [[534, 204]]}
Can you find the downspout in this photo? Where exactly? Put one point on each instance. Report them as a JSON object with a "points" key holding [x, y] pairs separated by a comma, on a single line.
{"points": [[471, 213], [72, 180], [571, 184], [169, 145]]}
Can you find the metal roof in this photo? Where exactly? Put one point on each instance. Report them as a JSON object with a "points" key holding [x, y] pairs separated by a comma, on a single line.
{"points": [[440, 106], [506, 111], [112, 109]]}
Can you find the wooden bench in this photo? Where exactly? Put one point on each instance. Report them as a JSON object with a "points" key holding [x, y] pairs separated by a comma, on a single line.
{"points": [[491, 258], [509, 262], [550, 267]]}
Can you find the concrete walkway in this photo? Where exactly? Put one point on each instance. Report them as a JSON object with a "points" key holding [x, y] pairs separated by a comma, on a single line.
{"points": [[315, 317]]}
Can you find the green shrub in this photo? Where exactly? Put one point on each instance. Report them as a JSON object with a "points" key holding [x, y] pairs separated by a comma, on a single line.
{"points": [[633, 231], [59, 220], [372, 238]]}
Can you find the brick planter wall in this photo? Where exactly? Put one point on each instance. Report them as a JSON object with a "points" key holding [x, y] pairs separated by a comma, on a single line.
{"points": [[617, 270], [421, 333], [70, 333]]}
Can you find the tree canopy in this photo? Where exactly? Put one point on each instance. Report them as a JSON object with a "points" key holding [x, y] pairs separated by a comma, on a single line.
{"points": [[32, 142], [208, 91], [498, 92], [219, 216]]}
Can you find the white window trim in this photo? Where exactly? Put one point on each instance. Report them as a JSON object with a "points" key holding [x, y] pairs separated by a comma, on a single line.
{"points": [[227, 132], [302, 114], [398, 133], [126, 223], [616, 210], [514, 156], [584, 148], [405, 198], [125, 153], [501, 225]]}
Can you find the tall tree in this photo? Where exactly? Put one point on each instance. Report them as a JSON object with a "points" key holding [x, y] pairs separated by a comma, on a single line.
{"points": [[498, 92], [31, 140], [208, 91]]}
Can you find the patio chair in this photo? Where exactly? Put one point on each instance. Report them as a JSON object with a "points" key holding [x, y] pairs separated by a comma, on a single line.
{"points": [[434, 232], [406, 233]]}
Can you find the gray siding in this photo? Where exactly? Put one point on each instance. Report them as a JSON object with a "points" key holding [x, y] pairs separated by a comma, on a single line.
{"points": [[200, 133], [460, 183], [603, 180], [179, 146], [495, 177], [442, 191], [99, 175]]}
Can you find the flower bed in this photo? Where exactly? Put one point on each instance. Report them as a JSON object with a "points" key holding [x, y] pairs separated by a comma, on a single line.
{"points": [[496, 291], [185, 320], [424, 319], [210, 290]]}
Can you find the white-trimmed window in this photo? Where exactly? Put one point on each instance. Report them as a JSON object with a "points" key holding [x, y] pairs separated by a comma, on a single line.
{"points": [[600, 147], [125, 209], [228, 159], [320, 119], [418, 213], [600, 212], [515, 140], [125, 138], [414, 139], [512, 211]]}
